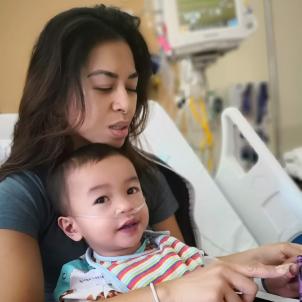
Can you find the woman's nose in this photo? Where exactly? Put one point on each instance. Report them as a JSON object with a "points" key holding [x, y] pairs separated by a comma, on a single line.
{"points": [[121, 100]]}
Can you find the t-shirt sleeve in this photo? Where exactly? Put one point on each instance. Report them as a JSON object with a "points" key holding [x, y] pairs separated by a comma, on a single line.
{"points": [[159, 197], [23, 205]]}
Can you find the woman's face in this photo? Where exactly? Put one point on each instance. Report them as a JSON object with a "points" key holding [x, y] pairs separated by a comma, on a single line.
{"points": [[109, 81]]}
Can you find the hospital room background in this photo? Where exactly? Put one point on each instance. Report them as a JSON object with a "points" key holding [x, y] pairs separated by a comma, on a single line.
{"points": [[229, 111]]}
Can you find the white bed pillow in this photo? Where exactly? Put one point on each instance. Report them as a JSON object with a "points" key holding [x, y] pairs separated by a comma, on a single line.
{"points": [[5, 146]]}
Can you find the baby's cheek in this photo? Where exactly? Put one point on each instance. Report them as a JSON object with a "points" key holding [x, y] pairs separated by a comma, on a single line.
{"points": [[146, 216]]}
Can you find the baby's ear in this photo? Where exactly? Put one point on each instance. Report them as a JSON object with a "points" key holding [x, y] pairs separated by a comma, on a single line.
{"points": [[70, 227]]}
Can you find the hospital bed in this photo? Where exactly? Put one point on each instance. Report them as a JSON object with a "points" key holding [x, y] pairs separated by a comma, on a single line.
{"points": [[7, 123], [217, 227], [236, 209]]}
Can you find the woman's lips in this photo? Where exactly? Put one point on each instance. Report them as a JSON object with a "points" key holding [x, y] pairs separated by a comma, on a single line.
{"points": [[119, 130]]}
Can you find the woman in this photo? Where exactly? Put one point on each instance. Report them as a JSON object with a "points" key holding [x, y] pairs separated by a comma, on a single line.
{"points": [[87, 82]]}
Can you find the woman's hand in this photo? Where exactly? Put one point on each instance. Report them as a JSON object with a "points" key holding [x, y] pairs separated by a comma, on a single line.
{"points": [[268, 256]]}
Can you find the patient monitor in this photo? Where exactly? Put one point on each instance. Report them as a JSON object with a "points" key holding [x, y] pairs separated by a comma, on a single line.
{"points": [[201, 26]]}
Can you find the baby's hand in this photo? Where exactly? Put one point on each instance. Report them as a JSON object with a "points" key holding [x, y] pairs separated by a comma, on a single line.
{"points": [[287, 285]]}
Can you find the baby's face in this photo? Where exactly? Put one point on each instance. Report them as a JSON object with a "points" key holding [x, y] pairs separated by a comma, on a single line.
{"points": [[107, 205]]}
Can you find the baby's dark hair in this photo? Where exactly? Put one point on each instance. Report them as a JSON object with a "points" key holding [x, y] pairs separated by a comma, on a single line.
{"points": [[91, 153]]}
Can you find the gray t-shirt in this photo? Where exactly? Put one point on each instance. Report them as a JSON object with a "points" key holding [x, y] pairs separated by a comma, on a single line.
{"points": [[24, 207]]}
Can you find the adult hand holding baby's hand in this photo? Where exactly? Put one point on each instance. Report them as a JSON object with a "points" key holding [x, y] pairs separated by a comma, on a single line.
{"points": [[278, 256], [286, 285]]}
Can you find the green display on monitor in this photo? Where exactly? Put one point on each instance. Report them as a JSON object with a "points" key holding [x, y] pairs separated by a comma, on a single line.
{"points": [[196, 15]]}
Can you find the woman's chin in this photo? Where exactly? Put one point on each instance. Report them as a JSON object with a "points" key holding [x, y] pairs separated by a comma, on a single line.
{"points": [[116, 143], [120, 145]]}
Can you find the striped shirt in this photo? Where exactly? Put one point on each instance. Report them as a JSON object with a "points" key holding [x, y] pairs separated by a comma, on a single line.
{"points": [[168, 259], [160, 258]]}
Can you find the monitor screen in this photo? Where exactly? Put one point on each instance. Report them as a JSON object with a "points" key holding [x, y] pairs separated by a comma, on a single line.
{"points": [[197, 15], [200, 25]]}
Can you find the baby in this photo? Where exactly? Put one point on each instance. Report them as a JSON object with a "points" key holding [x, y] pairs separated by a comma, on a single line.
{"points": [[98, 196]]}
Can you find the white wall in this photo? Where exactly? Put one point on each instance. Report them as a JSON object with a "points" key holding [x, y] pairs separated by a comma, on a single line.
{"points": [[288, 32], [247, 63]]}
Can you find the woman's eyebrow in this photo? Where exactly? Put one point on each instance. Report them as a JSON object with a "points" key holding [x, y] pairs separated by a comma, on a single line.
{"points": [[102, 72], [110, 74], [134, 75]]}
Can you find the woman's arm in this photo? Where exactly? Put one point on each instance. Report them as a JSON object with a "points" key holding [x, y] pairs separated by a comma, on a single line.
{"points": [[21, 268], [218, 282], [169, 224]]}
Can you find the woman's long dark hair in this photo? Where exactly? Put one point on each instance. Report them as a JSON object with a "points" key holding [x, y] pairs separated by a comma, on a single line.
{"points": [[42, 134]]}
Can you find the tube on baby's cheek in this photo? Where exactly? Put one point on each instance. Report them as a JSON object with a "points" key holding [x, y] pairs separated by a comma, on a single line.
{"points": [[299, 261]]}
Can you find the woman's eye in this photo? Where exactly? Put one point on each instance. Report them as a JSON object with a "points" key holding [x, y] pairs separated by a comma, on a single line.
{"points": [[101, 200], [103, 89], [133, 190], [134, 90]]}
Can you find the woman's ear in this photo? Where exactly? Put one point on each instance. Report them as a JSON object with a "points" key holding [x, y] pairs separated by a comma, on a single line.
{"points": [[70, 228]]}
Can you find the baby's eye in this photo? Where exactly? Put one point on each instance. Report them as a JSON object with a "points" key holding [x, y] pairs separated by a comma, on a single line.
{"points": [[133, 190], [101, 200]]}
